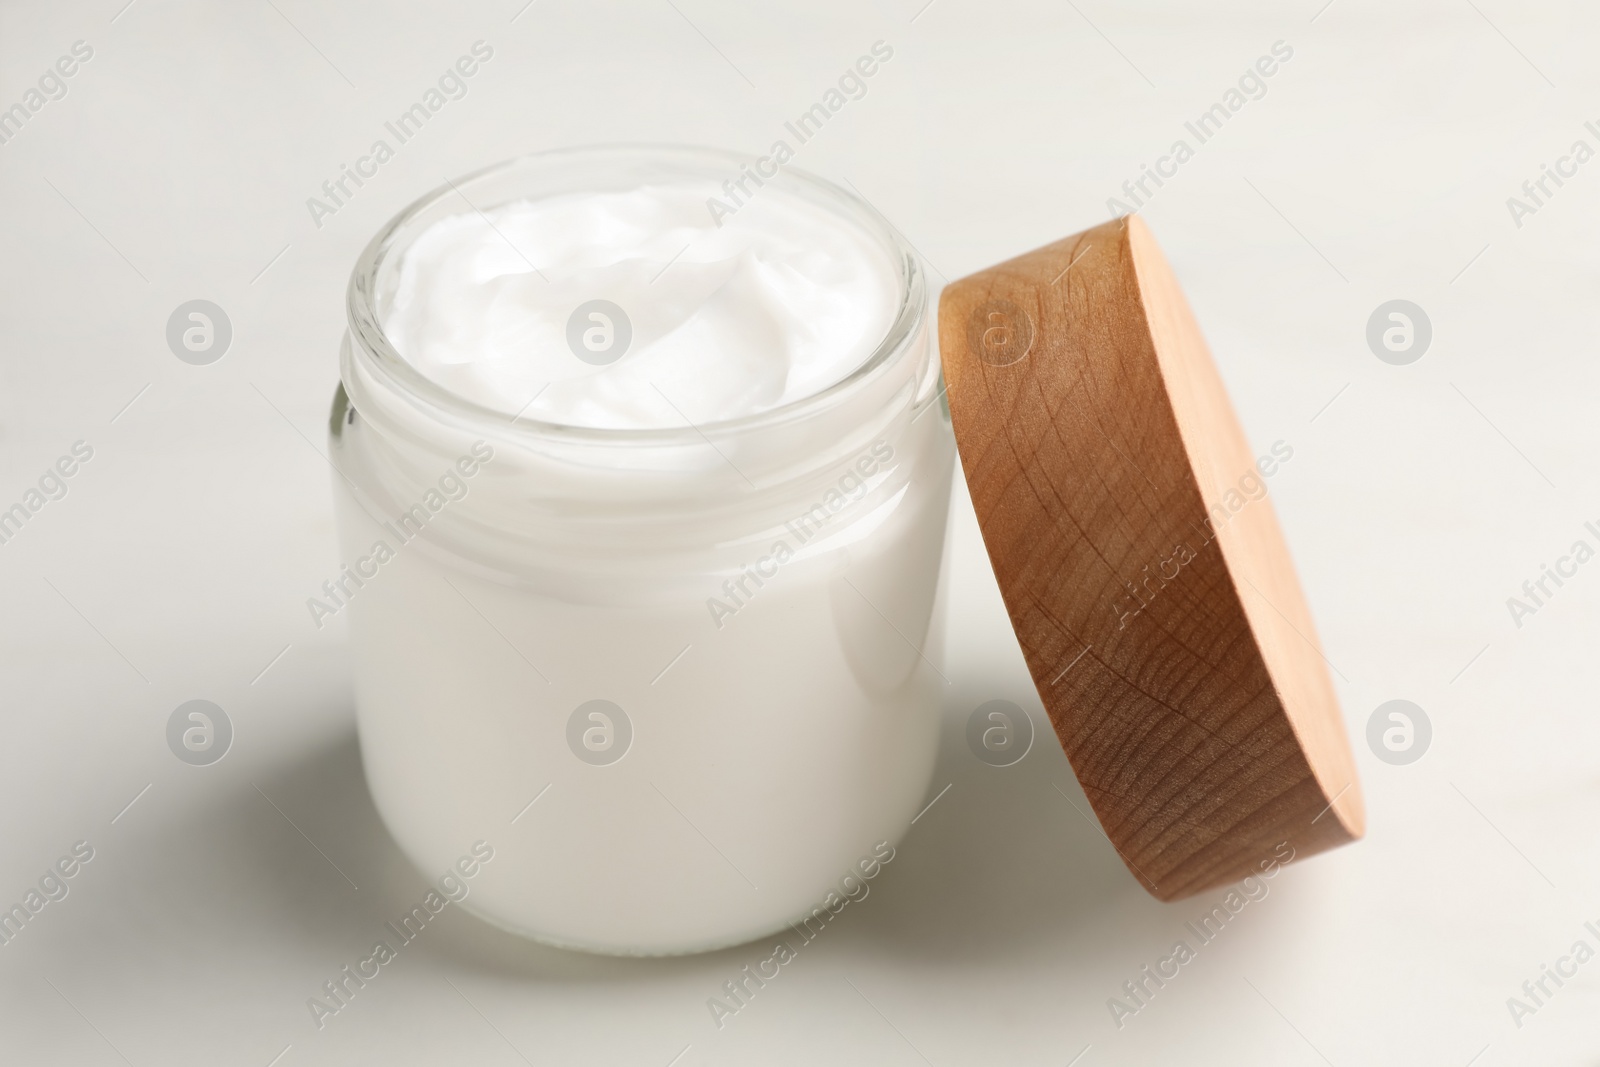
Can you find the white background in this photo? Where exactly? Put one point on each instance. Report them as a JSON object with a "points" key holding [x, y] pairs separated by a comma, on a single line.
{"points": [[1376, 167]]}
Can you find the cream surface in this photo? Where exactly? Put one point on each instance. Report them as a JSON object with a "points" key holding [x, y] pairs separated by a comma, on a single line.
{"points": [[783, 300]]}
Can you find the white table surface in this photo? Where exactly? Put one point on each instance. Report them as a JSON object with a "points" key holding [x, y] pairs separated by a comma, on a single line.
{"points": [[1376, 167]]}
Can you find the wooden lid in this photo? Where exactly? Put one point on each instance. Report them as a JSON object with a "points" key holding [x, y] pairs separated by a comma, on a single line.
{"points": [[1142, 564]]}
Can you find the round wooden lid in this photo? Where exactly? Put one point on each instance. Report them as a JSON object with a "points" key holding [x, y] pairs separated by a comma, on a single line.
{"points": [[1142, 564]]}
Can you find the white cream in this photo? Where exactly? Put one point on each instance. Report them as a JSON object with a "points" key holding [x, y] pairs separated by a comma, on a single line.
{"points": [[780, 302], [756, 597]]}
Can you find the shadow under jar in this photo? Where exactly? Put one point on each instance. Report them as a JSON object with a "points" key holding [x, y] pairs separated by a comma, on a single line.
{"points": [[677, 677]]}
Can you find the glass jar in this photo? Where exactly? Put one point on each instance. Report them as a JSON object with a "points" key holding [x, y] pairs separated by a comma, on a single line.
{"points": [[678, 682]]}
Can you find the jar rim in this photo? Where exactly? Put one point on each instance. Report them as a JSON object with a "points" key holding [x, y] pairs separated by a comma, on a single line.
{"points": [[394, 370]]}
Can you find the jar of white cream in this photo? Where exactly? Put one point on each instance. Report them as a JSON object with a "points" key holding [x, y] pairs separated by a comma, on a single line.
{"points": [[642, 505]]}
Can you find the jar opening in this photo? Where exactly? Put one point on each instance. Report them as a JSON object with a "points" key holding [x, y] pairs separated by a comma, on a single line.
{"points": [[606, 168]]}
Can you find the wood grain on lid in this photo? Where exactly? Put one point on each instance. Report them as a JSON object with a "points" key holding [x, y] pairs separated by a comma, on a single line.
{"points": [[1141, 562]]}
